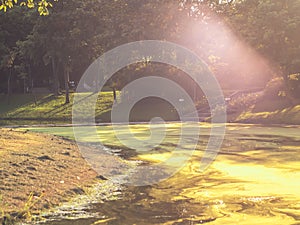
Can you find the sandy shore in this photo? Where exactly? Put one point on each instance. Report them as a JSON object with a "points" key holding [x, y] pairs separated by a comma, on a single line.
{"points": [[39, 171]]}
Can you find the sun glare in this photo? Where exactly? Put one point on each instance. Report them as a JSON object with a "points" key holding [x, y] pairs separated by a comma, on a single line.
{"points": [[232, 58]]}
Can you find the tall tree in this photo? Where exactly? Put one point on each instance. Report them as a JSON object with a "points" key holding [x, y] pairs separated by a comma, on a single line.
{"points": [[15, 25], [273, 28]]}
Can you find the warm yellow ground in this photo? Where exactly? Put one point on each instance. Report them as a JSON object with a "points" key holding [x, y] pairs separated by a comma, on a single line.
{"points": [[47, 167]]}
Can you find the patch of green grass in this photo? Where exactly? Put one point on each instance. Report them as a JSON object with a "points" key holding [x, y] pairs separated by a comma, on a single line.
{"points": [[290, 115], [25, 109], [264, 110], [271, 105], [17, 100], [50, 108]]}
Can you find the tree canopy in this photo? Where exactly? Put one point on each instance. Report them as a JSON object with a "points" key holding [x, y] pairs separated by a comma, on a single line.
{"points": [[272, 27], [42, 5], [58, 47]]}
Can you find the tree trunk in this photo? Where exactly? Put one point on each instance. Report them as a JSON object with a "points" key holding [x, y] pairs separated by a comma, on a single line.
{"points": [[66, 80], [9, 85], [114, 93], [55, 77]]}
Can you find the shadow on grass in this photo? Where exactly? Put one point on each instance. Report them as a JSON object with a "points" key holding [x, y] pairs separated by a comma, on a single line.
{"points": [[65, 106], [18, 101]]}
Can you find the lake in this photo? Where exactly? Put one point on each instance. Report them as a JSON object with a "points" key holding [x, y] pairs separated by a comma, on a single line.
{"points": [[255, 179]]}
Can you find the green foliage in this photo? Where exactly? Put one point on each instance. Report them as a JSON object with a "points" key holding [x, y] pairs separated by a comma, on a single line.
{"points": [[77, 32], [272, 27], [42, 5]]}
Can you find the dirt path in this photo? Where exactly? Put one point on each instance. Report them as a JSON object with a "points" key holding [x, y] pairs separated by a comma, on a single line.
{"points": [[39, 171]]}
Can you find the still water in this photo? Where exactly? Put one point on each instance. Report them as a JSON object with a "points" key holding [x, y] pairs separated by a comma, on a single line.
{"points": [[255, 179]]}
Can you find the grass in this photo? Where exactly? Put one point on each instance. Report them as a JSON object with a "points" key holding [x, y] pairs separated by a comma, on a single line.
{"points": [[24, 213], [17, 100], [288, 115], [259, 109], [48, 108], [44, 109]]}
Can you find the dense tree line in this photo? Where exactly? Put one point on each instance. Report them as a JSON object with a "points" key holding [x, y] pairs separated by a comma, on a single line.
{"points": [[51, 50], [272, 27]]}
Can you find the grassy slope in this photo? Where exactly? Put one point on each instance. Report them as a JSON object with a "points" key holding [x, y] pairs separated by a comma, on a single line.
{"points": [[271, 112], [23, 109], [49, 108], [289, 115]]}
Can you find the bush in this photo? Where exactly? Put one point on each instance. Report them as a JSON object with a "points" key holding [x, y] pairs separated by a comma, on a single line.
{"points": [[275, 88]]}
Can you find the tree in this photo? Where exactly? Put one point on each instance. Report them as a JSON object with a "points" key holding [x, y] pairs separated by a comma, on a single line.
{"points": [[15, 25], [42, 5], [273, 29], [72, 36], [76, 32]]}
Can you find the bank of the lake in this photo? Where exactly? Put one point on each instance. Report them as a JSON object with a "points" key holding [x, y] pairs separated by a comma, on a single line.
{"points": [[281, 115], [41, 171]]}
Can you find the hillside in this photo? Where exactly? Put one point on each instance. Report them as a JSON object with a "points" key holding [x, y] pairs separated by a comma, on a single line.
{"points": [[29, 109], [262, 107]]}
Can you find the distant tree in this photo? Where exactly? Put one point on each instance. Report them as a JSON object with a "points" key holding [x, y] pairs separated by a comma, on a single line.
{"points": [[76, 32], [71, 37], [15, 25]]}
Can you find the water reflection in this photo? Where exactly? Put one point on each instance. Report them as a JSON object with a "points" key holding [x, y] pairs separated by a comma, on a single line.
{"points": [[254, 180]]}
